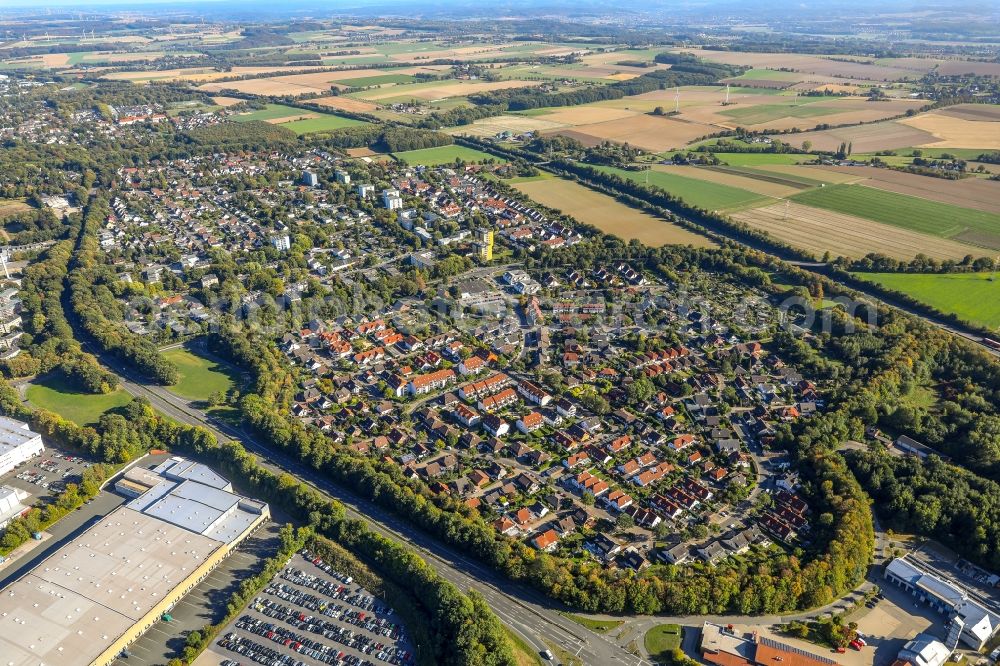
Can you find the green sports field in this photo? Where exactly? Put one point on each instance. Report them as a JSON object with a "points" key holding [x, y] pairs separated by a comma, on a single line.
{"points": [[929, 217], [971, 296], [443, 155], [55, 395], [710, 196], [199, 376]]}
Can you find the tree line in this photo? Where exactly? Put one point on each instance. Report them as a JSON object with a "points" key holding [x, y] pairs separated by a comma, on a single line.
{"points": [[98, 311]]}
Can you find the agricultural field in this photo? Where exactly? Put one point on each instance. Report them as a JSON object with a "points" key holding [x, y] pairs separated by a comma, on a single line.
{"points": [[431, 91], [201, 74], [298, 120], [757, 159], [607, 214], [345, 104], [516, 124], [729, 177], [55, 395], [965, 225], [979, 194], [888, 135], [200, 377], [311, 82], [817, 231], [652, 133], [444, 155], [834, 70], [712, 194], [975, 297], [959, 128]]}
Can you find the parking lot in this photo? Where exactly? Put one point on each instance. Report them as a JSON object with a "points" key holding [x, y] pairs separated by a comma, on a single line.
{"points": [[46, 475], [310, 614]]}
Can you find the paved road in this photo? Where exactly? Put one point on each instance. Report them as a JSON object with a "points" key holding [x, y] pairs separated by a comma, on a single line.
{"points": [[523, 609]]}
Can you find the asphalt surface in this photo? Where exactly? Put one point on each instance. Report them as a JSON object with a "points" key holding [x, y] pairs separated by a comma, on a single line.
{"points": [[527, 612]]}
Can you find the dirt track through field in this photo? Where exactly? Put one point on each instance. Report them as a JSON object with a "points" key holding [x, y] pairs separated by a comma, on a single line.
{"points": [[818, 230]]}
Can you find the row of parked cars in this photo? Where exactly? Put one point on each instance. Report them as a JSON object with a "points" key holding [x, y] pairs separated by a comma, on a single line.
{"points": [[365, 620], [334, 631], [321, 652], [261, 654]]}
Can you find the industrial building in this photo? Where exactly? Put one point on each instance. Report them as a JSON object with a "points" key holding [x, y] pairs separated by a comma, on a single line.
{"points": [[724, 646], [18, 444], [11, 504], [95, 595], [923, 650], [969, 621]]}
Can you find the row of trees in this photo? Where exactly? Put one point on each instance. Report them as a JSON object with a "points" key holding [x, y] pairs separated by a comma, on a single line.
{"points": [[48, 338], [99, 312]]}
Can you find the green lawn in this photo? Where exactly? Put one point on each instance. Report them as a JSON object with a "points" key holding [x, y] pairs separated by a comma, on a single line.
{"points": [[324, 123], [929, 217], [710, 196], [599, 626], [55, 395], [270, 112], [443, 155], [199, 376], [377, 80], [661, 640], [756, 159], [971, 296]]}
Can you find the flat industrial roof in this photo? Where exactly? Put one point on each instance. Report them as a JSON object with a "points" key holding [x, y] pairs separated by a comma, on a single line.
{"points": [[85, 595], [14, 434], [180, 469]]}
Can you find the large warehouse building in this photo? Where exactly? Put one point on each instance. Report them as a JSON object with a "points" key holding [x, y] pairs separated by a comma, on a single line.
{"points": [[98, 593], [17, 444]]}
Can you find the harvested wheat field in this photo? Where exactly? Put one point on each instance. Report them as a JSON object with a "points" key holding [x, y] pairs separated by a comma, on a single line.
{"points": [[978, 112], [956, 67], [888, 135], [836, 88], [485, 127], [585, 115], [947, 131], [54, 59], [974, 193], [442, 89], [652, 133], [296, 84], [608, 215], [226, 101], [202, 74], [818, 231], [755, 185], [345, 103], [292, 118]]}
